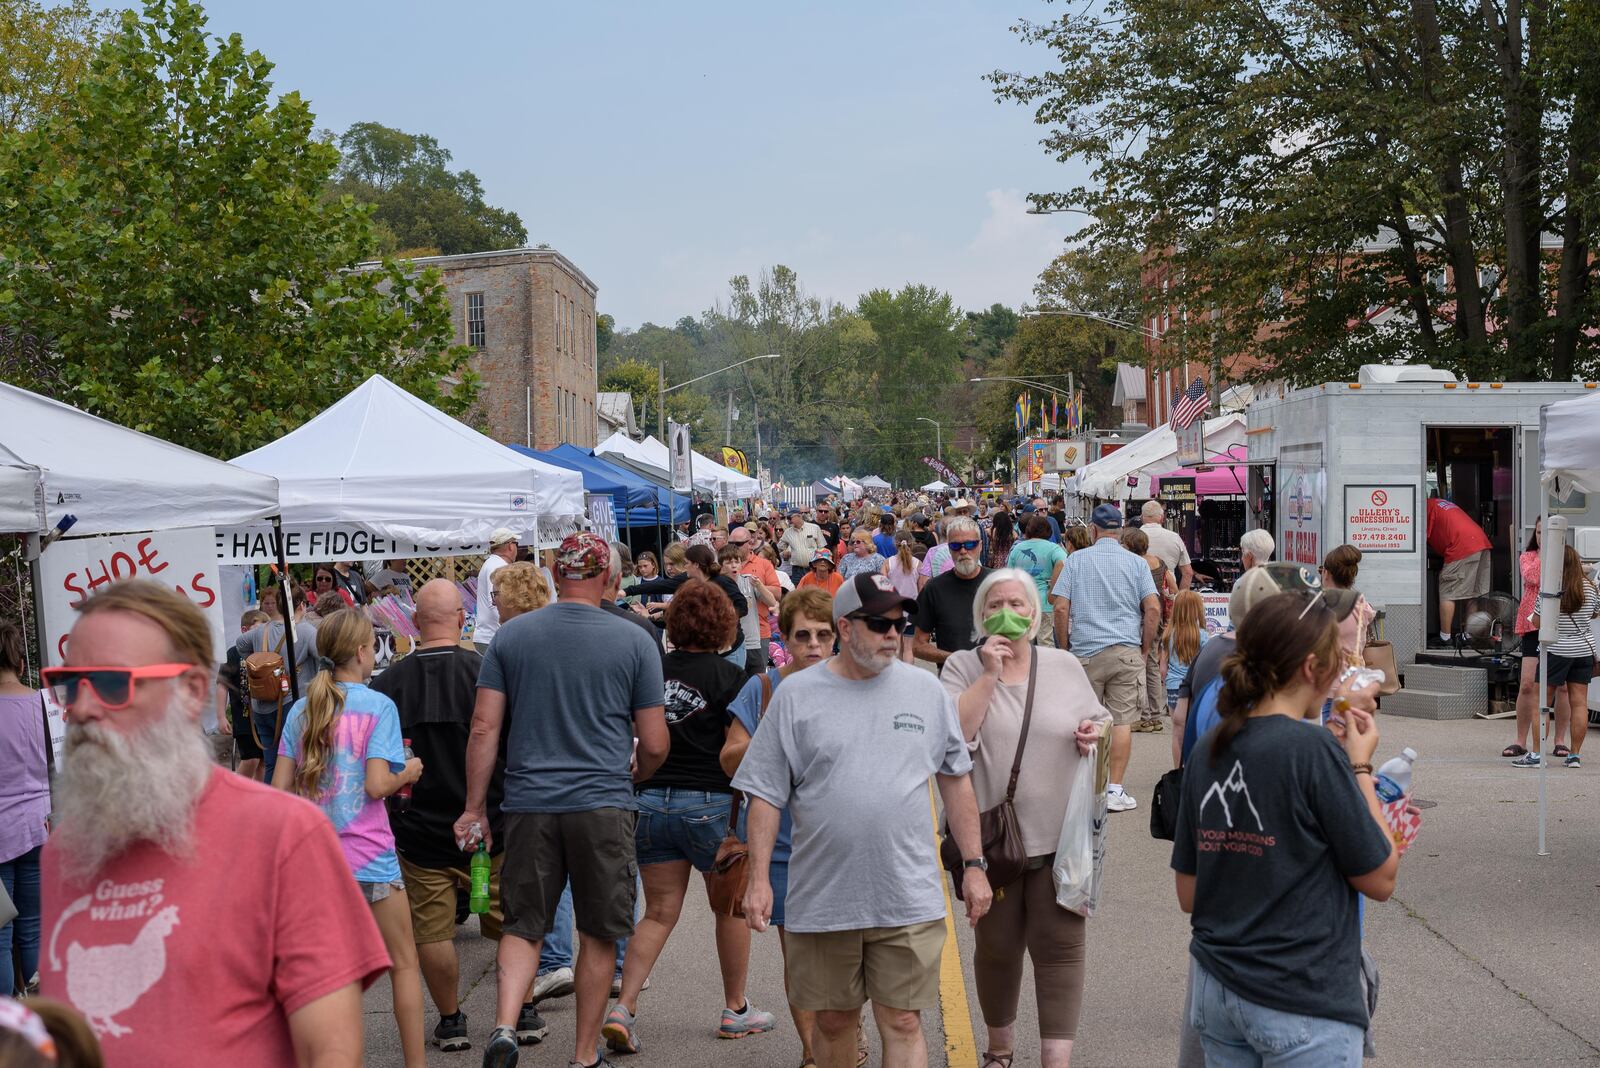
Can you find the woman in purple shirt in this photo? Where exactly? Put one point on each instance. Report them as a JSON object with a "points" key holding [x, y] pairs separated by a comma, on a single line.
{"points": [[24, 801]]}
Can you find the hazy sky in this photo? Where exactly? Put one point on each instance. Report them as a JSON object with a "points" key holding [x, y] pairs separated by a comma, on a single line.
{"points": [[667, 146]]}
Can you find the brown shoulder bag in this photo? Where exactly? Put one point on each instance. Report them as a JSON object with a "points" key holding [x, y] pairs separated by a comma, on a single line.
{"points": [[730, 872], [997, 827]]}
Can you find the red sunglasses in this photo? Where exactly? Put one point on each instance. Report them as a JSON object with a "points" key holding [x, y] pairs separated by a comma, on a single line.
{"points": [[112, 686]]}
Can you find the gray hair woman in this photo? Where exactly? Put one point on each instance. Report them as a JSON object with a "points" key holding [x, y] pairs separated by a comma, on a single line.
{"points": [[990, 684]]}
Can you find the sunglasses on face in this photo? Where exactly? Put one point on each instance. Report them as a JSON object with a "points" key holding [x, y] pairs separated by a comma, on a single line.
{"points": [[879, 624], [112, 686], [324, 578], [964, 546], [824, 636]]}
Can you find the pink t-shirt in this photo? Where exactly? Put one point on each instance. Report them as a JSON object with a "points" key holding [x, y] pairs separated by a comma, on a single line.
{"points": [[197, 963], [1528, 564]]}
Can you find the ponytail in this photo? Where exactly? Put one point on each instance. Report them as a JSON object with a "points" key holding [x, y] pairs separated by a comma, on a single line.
{"points": [[907, 558], [340, 638]]}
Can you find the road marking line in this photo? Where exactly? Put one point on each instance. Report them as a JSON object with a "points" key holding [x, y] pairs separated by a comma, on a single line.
{"points": [[960, 1046]]}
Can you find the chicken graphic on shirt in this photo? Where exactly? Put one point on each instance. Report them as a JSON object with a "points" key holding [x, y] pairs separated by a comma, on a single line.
{"points": [[103, 981]]}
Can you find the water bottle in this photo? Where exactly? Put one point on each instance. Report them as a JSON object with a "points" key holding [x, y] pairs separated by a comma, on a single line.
{"points": [[479, 901], [1394, 779], [402, 796]]}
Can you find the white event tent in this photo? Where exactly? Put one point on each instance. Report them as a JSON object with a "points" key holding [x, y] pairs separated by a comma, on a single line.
{"points": [[936, 486], [57, 460], [873, 482], [651, 458], [1152, 455], [383, 461]]}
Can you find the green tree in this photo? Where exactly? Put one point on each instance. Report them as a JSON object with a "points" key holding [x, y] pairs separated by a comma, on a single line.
{"points": [[640, 381], [44, 53], [168, 241], [605, 328], [419, 202], [1302, 167]]}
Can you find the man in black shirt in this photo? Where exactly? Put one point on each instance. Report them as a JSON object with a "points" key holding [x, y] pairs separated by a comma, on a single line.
{"points": [[435, 689], [613, 590], [828, 523], [944, 607]]}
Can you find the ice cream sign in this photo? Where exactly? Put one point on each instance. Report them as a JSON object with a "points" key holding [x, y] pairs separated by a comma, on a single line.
{"points": [[1381, 519]]}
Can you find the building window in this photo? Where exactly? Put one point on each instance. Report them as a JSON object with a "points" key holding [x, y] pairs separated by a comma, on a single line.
{"points": [[558, 323], [476, 336]]}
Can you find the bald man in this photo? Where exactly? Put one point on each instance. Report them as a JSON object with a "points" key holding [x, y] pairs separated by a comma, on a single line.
{"points": [[435, 688]]}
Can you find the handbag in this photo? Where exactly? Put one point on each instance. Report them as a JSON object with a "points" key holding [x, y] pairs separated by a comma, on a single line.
{"points": [[1164, 800], [1379, 656], [998, 829], [730, 870]]}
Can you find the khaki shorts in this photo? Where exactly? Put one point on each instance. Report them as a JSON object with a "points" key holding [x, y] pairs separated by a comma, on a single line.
{"points": [[896, 967], [1117, 675], [1465, 578], [595, 850], [432, 893], [1047, 631]]}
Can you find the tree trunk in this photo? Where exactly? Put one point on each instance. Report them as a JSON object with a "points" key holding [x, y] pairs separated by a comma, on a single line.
{"points": [[1576, 272]]}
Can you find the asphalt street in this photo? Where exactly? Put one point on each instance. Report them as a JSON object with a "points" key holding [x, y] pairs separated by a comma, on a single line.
{"points": [[1487, 952]]}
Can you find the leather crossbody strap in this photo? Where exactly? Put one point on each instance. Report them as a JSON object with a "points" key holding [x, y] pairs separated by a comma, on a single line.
{"points": [[1027, 720]]}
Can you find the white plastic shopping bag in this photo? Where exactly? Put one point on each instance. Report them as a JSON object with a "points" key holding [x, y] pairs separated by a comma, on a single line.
{"points": [[1081, 850]]}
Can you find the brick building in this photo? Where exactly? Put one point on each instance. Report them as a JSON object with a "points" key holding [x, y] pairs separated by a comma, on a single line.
{"points": [[530, 314]]}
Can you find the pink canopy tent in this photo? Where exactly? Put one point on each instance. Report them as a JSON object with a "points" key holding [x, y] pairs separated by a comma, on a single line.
{"points": [[1222, 481]]}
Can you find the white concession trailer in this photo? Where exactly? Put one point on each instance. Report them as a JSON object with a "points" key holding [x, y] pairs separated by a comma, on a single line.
{"points": [[1357, 461]]}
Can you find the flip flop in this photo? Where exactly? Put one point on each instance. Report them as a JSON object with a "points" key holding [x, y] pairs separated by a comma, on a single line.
{"points": [[1512, 750], [1560, 751]]}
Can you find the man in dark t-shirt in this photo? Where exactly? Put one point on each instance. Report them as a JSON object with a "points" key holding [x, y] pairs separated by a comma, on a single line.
{"points": [[944, 607]]}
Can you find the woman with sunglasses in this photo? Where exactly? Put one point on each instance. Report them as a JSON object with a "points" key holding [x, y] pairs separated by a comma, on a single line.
{"points": [[341, 749], [325, 580], [1279, 830], [24, 807], [863, 557]]}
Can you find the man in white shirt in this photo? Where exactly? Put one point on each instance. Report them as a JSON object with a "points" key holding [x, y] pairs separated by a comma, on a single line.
{"points": [[502, 550], [1166, 544]]}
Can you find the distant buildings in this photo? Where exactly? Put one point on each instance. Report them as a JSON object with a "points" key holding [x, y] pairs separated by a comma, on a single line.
{"points": [[530, 315]]}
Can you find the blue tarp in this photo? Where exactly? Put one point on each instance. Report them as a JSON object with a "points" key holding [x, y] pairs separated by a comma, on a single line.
{"points": [[635, 501]]}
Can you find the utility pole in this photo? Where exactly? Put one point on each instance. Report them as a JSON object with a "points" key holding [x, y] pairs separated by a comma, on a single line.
{"points": [[727, 429], [661, 402]]}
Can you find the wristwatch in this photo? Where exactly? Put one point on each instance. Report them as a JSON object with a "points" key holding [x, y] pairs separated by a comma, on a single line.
{"points": [[976, 862]]}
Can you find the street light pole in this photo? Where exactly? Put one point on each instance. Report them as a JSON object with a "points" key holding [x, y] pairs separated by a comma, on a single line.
{"points": [[938, 436], [662, 389]]}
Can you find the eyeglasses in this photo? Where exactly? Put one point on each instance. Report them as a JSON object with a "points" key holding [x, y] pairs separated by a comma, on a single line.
{"points": [[324, 578], [112, 686], [879, 624], [738, 541], [824, 636], [964, 546]]}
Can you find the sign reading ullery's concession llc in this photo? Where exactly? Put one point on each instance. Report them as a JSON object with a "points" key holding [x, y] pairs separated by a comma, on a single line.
{"points": [[1381, 519]]}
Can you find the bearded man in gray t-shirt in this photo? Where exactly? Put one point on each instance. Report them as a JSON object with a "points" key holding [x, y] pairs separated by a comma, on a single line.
{"points": [[848, 748]]}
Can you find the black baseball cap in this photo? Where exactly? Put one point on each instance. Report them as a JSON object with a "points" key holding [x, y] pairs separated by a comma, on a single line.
{"points": [[870, 594]]}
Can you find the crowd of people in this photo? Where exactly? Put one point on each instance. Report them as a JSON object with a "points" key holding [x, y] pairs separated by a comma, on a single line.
{"points": [[614, 726]]}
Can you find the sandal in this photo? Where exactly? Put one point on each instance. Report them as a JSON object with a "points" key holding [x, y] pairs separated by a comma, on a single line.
{"points": [[861, 1045], [1560, 751], [1000, 1060], [1513, 750]]}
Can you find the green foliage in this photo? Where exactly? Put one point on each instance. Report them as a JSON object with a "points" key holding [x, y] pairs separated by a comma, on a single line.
{"points": [[44, 53], [605, 328], [641, 381], [168, 240], [418, 202], [1300, 166]]}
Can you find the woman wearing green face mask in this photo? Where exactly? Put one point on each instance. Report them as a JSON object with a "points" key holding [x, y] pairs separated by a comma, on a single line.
{"points": [[990, 685]]}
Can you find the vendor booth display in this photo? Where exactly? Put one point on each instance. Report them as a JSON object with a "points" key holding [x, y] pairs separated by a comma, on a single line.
{"points": [[1206, 506], [383, 464], [1127, 473]]}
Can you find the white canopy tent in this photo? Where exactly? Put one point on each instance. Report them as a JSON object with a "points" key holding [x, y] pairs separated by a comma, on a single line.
{"points": [[873, 482], [384, 461], [936, 486], [56, 460], [651, 458], [1154, 454]]}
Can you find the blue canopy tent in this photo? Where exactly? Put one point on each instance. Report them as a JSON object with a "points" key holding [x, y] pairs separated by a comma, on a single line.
{"points": [[635, 501]]}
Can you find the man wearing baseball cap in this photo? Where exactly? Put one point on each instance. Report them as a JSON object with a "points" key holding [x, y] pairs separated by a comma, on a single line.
{"points": [[864, 912], [1106, 601], [571, 686], [486, 620]]}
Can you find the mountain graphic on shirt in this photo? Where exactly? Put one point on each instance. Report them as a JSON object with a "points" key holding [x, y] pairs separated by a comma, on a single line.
{"points": [[1235, 787]]}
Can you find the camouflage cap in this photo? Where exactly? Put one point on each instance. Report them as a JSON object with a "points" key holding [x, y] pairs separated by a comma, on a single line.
{"points": [[584, 555]]}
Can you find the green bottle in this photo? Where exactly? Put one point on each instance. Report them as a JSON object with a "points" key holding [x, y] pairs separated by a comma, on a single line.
{"points": [[479, 901]]}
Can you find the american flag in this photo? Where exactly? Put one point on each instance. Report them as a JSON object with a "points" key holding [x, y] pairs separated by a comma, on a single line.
{"points": [[1190, 405]]}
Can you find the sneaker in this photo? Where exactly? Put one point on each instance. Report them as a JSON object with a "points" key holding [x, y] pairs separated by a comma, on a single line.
{"points": [[556, 983], [1120, 801], [530, 1025], [1526, 760], [1152, 726], [616, 985], [618, 1031], [1572, 761], [502, 1049], [451, 1034], [752, 1021], [599, 1062]]}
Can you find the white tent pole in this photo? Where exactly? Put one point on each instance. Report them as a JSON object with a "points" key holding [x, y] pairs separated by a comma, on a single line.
{"points": [[1552, 545]]}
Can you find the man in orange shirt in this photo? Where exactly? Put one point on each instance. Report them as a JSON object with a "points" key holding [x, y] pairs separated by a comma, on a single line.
{"points": [[764, 584]]}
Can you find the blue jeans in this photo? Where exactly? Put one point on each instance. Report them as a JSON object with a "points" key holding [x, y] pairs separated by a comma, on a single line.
{"points": [[1238, 1033], [21, 878], [266, 724], [557, 951]]}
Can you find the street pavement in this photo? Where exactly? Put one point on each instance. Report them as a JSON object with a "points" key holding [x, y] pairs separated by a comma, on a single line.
{"points": [[1487, 952]]}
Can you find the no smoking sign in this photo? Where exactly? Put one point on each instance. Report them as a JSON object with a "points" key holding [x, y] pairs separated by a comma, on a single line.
{"points": [[1379, 498]]}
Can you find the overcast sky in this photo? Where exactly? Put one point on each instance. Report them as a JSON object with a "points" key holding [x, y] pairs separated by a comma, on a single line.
{"points": [[665, 147]]}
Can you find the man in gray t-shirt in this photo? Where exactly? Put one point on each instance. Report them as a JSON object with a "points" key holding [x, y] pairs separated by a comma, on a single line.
{"points": [[848, 748]]}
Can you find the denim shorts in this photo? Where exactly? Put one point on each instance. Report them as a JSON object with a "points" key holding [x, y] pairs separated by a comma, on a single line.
{"points": [[679, 824], [778, 875], [1239, 1033]]}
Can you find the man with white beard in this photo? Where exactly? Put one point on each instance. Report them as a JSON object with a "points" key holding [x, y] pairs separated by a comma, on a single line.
{"points": [[183, 940], [864, 914], [944, 607]]}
